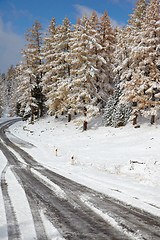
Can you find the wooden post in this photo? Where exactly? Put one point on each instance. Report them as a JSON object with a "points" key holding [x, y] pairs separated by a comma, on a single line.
{"points": [[72, 160]]}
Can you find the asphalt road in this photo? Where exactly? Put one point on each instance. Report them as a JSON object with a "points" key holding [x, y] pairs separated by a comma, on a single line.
{"points": [[76, 211]]}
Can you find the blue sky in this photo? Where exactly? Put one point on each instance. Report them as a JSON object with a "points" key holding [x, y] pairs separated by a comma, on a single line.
{"points": [[17, 15]]}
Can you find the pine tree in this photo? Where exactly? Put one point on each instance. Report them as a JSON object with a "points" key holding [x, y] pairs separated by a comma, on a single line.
{"points": [[24, 92], [7, 89], [92, 46], [3, 94], [151, 57], [131, 91], [32, 70], [48, 54], [58, 69], [15, 105], [138, 16], [83, 95], [10, 82], [107, 41], [143, 87], [122, 51], [116, 114]]}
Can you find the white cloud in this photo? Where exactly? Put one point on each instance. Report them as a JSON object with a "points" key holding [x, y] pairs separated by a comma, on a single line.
{"points": [[84, 10], [81, 10], [10, 45]]}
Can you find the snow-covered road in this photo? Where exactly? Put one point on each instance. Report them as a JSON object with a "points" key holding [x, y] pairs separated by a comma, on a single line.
{"points": [[56, 207]]}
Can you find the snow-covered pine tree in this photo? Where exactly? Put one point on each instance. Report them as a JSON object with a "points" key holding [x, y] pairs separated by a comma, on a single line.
{"points": [[3, 93], [137, 18], [58, 69], [109, 108], [116, 114], [15, 106], [12, 89], [10, 82], [118, 53], [150, 59], [143, 89], [131, 91], [32, 70], [121, 115], [24, 92], [121, 61], [106, 56], [48, 54], [83, 95], [95, 46]]}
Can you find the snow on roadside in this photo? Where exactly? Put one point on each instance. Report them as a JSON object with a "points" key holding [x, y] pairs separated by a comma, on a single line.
{"points": [[51, 231], [54, 187], [112, 221], [3, 224], [122, 162], [21, 207]]}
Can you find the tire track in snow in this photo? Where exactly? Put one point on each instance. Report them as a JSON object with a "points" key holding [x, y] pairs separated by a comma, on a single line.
{"points": [[12, 223], [33, 204], [13, 227], [73, 222], [39, 227], [132, 220]]}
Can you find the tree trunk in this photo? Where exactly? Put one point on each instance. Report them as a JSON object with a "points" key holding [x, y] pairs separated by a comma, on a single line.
{"points": [[38, 113], [32, 115], [69, 71], [69, 117], [41, 110], [153, 116], [152, 119], [85, 111], [135, 120], [84, 125], [134, 104]]}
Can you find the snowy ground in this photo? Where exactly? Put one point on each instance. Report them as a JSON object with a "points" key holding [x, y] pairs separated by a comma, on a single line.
{"points": [[121, 162]]}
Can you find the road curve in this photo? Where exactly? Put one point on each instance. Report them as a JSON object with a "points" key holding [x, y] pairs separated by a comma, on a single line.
{"points": [[81, 213]]}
